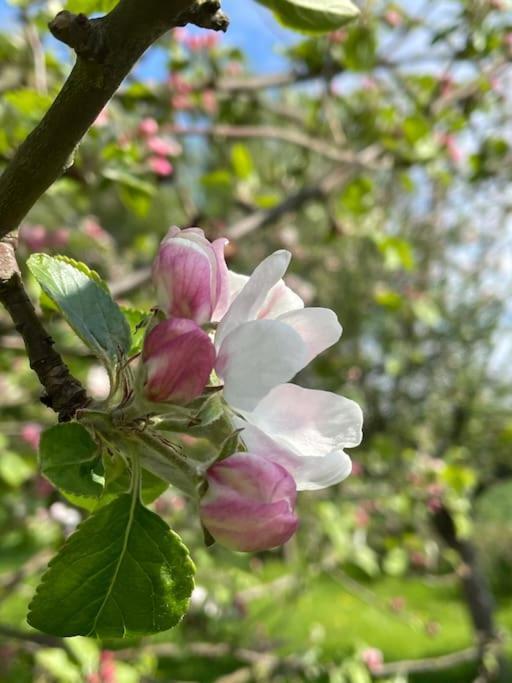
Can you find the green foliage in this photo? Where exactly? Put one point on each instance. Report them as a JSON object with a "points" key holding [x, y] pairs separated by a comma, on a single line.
{"points": [[99, 582], [70, 459], [89, 6], [86, 305], [312, 16]]}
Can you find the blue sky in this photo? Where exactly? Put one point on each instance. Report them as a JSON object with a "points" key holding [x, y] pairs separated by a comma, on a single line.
{"points": [[248, 19]]}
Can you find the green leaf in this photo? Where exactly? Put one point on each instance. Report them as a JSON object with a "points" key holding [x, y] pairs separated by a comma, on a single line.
{"points": [[137, 320], [14, 471], [312, 16], [68, 457], [241, 160], [122, 573], [89, 6], [86, 305]]}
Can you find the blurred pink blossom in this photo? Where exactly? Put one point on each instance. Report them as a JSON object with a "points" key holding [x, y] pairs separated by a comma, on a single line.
{"points": [[373, 658], [164, 147], [31, 434], [60, 237], [357, 469], [93, 229], [148, 127], [181, 102], [35, 237], [209, 101], [393, 18], [362, 518], [162, 167], [179, 84]]}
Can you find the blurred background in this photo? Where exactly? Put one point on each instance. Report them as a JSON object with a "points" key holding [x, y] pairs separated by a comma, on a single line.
{"points": [[379, 155]]}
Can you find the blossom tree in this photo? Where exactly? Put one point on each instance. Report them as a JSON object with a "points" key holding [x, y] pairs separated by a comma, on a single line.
{"points": [[187, 403]]}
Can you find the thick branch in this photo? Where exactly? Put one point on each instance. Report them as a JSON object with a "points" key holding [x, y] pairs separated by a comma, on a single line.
{"points": [[107, 49], [64, 394], [478, 597]]}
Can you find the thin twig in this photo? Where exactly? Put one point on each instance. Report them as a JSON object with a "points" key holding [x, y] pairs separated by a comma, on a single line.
{"points": [[294, 137], [64, 393]]}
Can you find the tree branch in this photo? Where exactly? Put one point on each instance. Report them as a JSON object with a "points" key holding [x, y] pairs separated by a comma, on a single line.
{"points": [[294, 137], [64, 393], [107, 48]]}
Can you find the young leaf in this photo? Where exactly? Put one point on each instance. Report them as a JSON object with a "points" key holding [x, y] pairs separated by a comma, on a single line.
{"points": [[137, 320], [86, 305], [312, 16], [122, 573], [68, 457]]}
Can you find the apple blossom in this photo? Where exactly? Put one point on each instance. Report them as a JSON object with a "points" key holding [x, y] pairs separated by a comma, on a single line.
{"points": [[31, 434], [177, 359], [148, 127], [160, 166], [267, 336], [249, 505], [191, 276], [164, 147]]}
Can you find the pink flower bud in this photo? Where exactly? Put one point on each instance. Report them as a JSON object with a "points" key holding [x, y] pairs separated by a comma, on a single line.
{"points": [[60, 238], [181, 102], [148, 127], [31, 434], [373, 659], [191, 276], [35, 237], [163, 147], [160, 166], [249, 505], [178, 358]]}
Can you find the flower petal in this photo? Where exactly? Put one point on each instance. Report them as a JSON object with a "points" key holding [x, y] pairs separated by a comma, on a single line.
{"points": [[257, 356], [318, 327], [250, 299], [309, 421], [310, 472]]}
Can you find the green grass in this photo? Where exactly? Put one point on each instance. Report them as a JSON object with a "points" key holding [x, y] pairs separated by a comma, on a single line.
{"points": [[339, 621]]}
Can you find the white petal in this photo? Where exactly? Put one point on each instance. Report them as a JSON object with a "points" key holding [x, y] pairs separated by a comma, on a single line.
{"points": [[246, 305], [236, 282], [281, 299], [318, 327], [310, 472], [257, 356], [308, 421]]}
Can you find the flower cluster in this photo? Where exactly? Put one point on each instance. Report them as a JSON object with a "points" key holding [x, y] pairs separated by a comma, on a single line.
{"points": [[249, 336]]}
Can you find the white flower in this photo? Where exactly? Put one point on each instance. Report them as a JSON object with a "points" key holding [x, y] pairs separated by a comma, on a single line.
{"points": [[264, 339], [267, 336]]}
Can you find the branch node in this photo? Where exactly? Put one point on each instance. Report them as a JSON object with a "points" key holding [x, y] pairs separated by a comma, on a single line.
{"points": [[80, 33], [206, 14]]}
